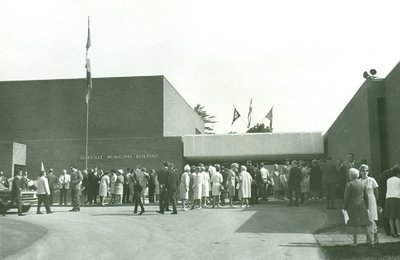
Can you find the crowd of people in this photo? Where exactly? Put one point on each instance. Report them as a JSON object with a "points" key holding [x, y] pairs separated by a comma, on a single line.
{"points": [[213, 185]]}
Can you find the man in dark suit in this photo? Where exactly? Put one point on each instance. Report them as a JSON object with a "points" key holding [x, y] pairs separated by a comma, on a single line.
{"points": [[163, 181], [341, 178], [152, 181], [52, 181], [350, 163], [295, 177], [329, 179], [172, 187], [16, 192]]}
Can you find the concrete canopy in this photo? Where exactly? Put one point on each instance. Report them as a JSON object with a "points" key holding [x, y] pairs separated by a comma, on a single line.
{"points": [[259, 146]]}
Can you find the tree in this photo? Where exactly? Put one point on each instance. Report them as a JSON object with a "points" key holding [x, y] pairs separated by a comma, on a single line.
{"points": [[208, 119], [260, 128]]}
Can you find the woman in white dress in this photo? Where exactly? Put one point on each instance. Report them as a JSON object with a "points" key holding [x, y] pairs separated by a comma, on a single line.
{"points": [[216, 180], [103, 190], [205, 185], [245, 181], [119, 186], [372, 192], [197, 185], [184, 186]]}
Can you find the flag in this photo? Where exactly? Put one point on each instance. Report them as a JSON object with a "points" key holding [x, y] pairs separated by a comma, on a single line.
{"points": [[236, 115], [42, 167], [269, 116], [88, 68], [250, 112]]}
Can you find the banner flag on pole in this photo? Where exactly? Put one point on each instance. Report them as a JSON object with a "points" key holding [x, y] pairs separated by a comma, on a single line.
{"points": [[236, 115], [250, 112], [270, 116], [88, 68]]}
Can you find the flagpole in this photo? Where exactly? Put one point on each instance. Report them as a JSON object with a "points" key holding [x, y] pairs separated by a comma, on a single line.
{"points": [[88, 44], [87, 134]]}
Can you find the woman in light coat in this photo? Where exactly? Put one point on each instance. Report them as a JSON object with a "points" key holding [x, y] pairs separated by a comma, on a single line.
{"points": [[113, 180], [355, 203], [197, 185], [184, 186], [103, 190], [205, 186], [216, 180], [245, 181], [119, 186]]}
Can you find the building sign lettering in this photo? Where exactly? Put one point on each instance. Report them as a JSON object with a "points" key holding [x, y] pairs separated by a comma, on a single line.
{"points": [[121, 156]]}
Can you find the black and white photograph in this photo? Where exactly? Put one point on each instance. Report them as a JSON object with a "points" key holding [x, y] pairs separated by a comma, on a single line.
{"points": [[188, 129]]}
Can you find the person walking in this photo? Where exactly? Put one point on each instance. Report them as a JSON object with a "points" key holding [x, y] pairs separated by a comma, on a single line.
{"points": [[184, 186], [64, 180], [76, 186], [43, 192], [138, 189], [16, 188], [355, 203]]}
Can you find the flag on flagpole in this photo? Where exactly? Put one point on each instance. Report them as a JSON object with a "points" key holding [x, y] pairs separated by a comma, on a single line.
{"points": [[42, 167], [236, 115], [250, 113], [270, 116], [88, 68]]}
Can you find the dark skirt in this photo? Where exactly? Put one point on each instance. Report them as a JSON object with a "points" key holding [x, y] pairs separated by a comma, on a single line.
{"points": [[392, 208]]}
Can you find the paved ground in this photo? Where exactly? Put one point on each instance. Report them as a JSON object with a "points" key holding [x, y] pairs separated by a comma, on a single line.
{"points": [[267, 231], [271, 231]]}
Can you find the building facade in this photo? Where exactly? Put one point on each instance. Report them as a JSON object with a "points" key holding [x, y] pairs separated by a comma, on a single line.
{"points": [[369, 126], [132, 121]]}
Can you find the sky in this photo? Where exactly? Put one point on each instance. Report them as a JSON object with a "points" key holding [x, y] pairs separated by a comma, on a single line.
{"points": [[304, 58]]}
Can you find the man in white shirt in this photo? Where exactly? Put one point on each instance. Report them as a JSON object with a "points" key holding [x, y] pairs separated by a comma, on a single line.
{"points": [[64, 180], [265, 177], [43, 191]]}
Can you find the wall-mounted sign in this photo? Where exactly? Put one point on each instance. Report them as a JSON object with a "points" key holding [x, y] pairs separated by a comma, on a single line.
{"points": [[121, 156]]}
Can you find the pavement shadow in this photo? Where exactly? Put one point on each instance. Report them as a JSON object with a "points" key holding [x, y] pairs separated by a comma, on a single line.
{"points": [[300, 245], [279, 218]]}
